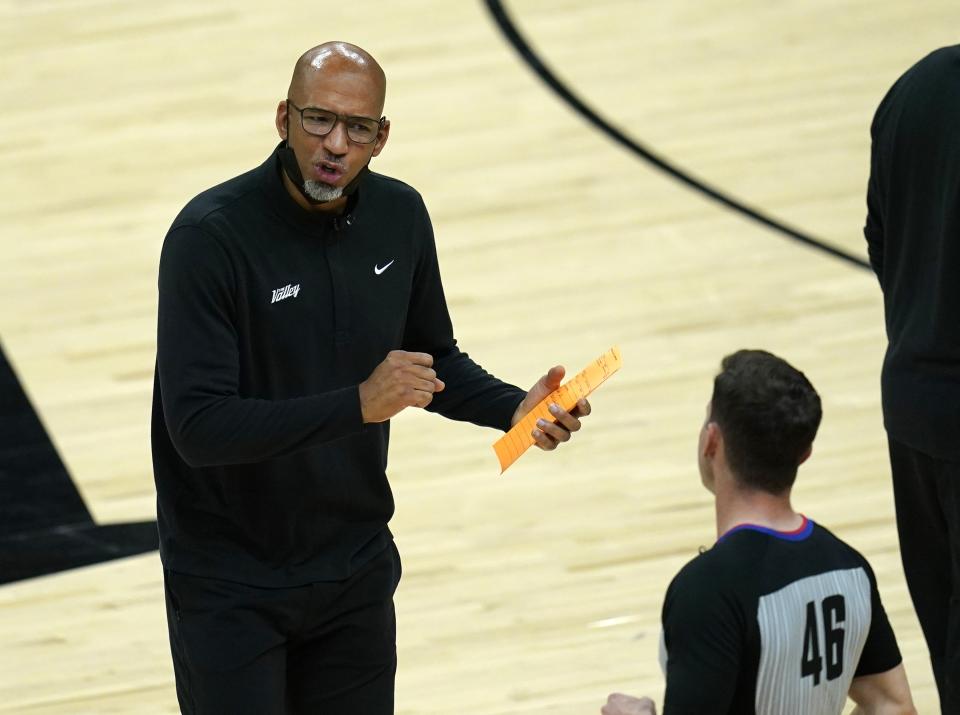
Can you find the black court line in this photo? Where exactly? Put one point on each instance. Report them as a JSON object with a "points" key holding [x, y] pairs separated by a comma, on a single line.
{"points": [[514, 37], [45, 526]]}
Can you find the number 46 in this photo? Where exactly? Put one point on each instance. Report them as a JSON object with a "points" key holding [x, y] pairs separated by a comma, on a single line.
{"points": [[834, 612]]}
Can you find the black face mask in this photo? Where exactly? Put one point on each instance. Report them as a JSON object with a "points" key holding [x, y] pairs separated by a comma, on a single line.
{"points": [[289, 162]]}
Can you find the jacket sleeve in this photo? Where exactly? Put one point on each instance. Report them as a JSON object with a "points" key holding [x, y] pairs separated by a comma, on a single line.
{"points": [[198, 365], [471, 393], [873, 229]]}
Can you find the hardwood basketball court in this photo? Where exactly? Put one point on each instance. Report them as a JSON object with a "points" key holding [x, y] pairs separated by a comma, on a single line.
{"points": [[539, 591]]}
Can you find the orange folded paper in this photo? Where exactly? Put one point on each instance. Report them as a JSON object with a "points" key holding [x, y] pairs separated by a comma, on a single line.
{"points": [[519, 438]]}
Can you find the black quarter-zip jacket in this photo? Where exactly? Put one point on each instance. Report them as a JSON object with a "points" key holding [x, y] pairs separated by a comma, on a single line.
{"points": [[269, 319]]}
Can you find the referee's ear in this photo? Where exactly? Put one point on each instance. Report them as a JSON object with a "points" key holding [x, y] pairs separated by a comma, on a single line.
{"points": [[806, 455], [713, 439]]}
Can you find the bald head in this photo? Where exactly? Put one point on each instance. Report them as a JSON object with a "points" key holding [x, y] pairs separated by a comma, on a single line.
{"points": [[338, 58]]}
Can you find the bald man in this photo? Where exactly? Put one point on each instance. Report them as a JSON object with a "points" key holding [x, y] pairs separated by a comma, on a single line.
{"points": [[300, 309]]}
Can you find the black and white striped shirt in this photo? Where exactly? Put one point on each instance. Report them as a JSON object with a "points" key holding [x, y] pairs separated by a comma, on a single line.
{"points": [[773, 623]]}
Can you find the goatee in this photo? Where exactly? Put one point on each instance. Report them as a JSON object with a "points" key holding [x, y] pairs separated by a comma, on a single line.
{"points": [[319, 191]]}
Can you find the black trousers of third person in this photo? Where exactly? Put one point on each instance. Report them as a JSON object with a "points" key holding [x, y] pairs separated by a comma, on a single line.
{"points": [[927, 497], [326, 648]]}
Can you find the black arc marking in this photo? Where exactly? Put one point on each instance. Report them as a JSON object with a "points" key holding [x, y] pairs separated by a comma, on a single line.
{"points": [[514, 37], [44, 525]]}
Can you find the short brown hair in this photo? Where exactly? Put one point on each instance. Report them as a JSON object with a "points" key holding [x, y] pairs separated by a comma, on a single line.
{"points": [[768, 413]]}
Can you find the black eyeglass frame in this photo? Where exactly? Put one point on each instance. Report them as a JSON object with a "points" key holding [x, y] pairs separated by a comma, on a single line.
{"points": [[339, 118]]}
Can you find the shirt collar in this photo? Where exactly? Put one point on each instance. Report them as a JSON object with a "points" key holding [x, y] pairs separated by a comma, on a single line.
{"points": [[290, 210], [798, 534]]}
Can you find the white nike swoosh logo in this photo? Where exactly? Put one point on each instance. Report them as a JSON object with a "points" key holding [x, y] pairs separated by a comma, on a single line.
{"points": [[378, 270]]}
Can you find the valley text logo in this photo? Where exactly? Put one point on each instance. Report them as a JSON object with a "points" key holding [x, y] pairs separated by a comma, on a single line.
{"points": [[285, 292]]}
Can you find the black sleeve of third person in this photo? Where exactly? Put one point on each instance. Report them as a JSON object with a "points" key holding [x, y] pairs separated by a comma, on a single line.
{"points": [[873, 229]]}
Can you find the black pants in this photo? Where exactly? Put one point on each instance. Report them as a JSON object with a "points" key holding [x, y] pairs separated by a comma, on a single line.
{"points": [[927, 495], [323, 649]]}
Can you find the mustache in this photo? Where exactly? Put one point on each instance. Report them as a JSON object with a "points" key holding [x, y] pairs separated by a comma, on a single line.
{"points": [[333, 161]]}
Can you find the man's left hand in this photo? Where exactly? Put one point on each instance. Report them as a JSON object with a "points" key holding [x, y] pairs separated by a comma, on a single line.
{"points": [[547, 435]]}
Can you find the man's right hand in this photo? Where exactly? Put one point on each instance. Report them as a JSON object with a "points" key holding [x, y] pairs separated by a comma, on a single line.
{"points": [[402, 380], [619, 704]]}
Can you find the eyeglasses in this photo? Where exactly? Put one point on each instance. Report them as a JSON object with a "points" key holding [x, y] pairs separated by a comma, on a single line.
{"points": [[320, 122]]}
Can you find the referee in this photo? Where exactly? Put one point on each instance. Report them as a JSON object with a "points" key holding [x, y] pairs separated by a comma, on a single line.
{"points": [[779, 616]]}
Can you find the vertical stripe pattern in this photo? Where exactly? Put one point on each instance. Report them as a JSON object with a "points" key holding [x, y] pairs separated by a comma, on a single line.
{"points": [[812, 633]]}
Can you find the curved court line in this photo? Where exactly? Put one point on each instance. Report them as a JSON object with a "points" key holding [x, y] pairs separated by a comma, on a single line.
{"points": [[514, 37]]}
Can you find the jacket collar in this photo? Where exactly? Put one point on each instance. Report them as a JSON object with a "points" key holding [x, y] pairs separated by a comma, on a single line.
{"points": [[285, 205]]}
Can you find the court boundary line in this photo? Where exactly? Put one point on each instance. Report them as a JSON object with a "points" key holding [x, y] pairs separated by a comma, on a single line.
{"points": [[540, 68]]}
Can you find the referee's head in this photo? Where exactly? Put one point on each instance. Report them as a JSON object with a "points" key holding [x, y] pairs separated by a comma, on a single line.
{"points": [[762, 419]]}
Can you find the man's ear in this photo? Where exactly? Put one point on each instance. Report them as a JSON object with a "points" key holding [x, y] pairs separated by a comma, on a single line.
{"points": [[282, 120], [381, 138], [806, 455], [712, 440]]}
